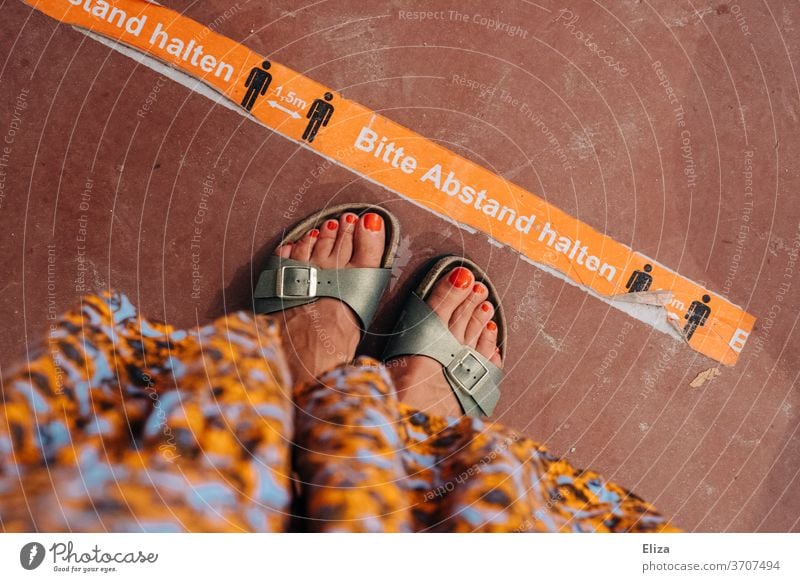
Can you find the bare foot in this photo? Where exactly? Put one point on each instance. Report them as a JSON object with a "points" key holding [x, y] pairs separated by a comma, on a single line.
{"points": [[461, 303], [324, 334]]}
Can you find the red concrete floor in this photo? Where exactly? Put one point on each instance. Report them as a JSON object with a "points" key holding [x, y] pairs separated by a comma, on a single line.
{"points": [[600, 140]]}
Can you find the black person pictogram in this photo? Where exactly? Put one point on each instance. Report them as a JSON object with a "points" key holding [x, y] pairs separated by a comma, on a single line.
{"points": [[319, 115], [640, 280], [257, 84], [697, 315]]}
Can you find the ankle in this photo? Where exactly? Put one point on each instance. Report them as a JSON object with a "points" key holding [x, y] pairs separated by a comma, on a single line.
{"points": [[318, 337], [420, 383]]}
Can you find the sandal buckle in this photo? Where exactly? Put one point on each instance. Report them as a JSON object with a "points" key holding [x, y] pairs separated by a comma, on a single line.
{"points": [[466, 371], [296, 282]]}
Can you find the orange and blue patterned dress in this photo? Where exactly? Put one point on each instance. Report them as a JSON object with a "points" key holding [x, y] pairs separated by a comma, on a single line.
{"points": [[125, 425]]}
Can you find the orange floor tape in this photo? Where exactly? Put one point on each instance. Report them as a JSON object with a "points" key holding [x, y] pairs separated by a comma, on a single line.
{"points": [[411, 165]]}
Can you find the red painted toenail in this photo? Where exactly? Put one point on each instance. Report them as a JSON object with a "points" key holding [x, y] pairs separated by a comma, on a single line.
{"points": [[486, 307], [373, 222], [314, 233], [332, 225], [461, 278], [491, 326], [351, 218], [478, 288]]}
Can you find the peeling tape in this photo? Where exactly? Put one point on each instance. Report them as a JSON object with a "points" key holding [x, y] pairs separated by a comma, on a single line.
{"points": [[705, 376], [418, 169]]}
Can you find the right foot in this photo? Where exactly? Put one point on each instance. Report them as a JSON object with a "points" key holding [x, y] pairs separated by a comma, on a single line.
{"points": [[461, 304]]}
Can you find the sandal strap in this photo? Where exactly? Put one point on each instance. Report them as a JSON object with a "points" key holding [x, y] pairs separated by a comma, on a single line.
{"points": [[287, 283], [474, 379]]}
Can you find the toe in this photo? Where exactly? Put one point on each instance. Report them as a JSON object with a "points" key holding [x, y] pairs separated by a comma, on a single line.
{"points": [[343, 247], [487, 341], [324, 245], [370, 241], [478, 319], [284, 251], [450, 291], [301, 250], [464, 312]]}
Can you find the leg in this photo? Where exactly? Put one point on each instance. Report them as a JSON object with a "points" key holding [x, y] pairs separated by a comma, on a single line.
{"points": [[489, 478], [349, 453], [311, 130], [160, 429], [495, 480], [369, 463], [248, 100], [689, 329], [99, 362]]}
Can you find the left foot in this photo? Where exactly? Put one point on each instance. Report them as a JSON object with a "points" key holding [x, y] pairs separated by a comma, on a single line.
{"points": [[324, 334]]}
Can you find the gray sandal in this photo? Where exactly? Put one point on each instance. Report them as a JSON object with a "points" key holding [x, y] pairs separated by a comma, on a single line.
{"points": [[287, 283], [419, 331]]}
